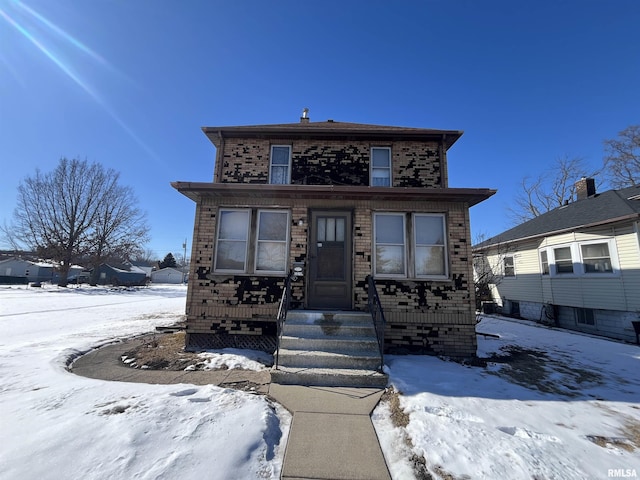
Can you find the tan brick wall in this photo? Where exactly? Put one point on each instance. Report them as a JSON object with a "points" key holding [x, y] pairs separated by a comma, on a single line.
{"points": [[332, 162], [423, 315]]}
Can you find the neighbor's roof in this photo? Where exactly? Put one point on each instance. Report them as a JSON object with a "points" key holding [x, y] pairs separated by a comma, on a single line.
{"points": [[600, 209], [331, 129]]}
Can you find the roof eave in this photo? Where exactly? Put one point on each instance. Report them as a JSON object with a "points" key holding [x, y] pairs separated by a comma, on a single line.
{"points": [[557, 232], [214, 134], [198, 190]]}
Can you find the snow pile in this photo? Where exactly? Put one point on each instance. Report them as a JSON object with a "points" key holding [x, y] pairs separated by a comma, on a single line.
{"points": [[56, 425], [233, 358], [486, 423]]}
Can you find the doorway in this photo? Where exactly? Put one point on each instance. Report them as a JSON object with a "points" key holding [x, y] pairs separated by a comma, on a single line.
{"points": [[330, 260]]}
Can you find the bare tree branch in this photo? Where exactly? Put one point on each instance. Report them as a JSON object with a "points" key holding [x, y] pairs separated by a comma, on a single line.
{"points": [[622, 158], [78, 211], [549, 190]]}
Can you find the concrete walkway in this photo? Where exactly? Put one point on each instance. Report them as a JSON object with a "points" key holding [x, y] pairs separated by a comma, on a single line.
{"points": [[331, 434]]}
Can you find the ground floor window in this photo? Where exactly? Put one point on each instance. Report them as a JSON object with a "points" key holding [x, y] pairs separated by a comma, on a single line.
{"points": [[252, 241], [410, 245]]}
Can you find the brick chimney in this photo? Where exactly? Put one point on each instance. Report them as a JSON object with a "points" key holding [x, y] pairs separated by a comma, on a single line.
{"points": [[585, 187], [305, 116]]}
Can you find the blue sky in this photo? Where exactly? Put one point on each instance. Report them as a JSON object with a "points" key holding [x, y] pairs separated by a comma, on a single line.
{"points": [[129, 84]]}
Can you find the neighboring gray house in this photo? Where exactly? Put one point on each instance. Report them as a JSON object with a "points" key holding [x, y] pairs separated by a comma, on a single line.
{"points": [[108, 275], [18, 270], [577, 267], [167, 275]]}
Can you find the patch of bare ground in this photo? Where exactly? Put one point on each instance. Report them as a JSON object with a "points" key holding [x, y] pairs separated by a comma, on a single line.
{"points": [[535, 369], [629, 438], [400, 419], [162, 351]]}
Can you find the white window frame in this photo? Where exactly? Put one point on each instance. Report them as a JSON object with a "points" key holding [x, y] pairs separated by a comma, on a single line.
{"points": [[544, 262], [504, 266], [248, 239], [258, 241], [251, 255], [372, 168], [271, 165], [579, 269], [409, 250], [443, 224], [610, 246], [376, 215], [555, 262]]}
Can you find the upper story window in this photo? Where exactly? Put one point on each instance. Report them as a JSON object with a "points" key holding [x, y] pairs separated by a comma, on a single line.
{"points": [[509, 266], [267, 239], [380, 167], [415, 249], [280, 164]]}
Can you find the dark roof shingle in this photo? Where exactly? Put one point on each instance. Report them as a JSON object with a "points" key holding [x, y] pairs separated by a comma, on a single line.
{"points": [[606, 207]]}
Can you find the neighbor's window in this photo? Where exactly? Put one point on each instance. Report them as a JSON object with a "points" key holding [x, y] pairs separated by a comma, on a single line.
{"points": [[380, 167], [509, 266], [389, 241], [596, 258], [544, 262], [273, 228], [280, 169], [563, 260], [233, 233], [585, 316], [430, 248]]}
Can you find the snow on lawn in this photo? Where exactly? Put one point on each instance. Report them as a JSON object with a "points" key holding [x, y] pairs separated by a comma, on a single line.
{"points": [[549, 405], [56, 425]]}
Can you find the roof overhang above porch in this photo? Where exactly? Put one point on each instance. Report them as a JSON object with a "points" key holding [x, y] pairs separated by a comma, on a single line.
{"points": [[199, 190]]}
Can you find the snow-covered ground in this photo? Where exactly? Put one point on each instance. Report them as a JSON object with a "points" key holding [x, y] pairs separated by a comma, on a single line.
{"points": [[566, 406], [56, 425]]}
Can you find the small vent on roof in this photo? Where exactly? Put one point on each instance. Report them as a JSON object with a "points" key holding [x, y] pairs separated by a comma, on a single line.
{"points": [[330, 121], [305, 116]]}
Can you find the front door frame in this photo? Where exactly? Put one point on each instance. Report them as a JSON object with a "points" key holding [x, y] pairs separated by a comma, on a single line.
{"points": [[332, 294]]}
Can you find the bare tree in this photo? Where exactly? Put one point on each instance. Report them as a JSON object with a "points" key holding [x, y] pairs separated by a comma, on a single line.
{"points": [[549, 190], [622, 158], [78, 211]]}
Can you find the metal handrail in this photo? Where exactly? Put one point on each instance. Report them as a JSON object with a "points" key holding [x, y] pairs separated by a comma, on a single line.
{"points": [[283, 308], [377, 315]]}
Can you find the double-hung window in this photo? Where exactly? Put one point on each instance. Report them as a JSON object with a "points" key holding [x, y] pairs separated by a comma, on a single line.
{"points": [[410, 249], [252, 241], [596, 258], [430, 248], [380, 167], [271, 249], [233, 235], [280, 164], [509, 266], [390, 243], [563, 260], [544, 262]]}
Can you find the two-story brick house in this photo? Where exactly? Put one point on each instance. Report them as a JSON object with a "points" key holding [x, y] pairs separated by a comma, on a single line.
{"points": [[342, 201]]}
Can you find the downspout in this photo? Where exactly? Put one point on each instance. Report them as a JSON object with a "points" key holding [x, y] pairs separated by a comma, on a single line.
{"points": [[442, 152], [217, 173]]}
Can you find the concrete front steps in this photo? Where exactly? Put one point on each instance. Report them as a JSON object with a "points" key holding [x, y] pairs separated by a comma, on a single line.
{"points": [[336, 349]]}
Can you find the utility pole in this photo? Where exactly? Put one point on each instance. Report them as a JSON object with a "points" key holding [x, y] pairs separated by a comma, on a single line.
{"points": [[184, 262]]}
